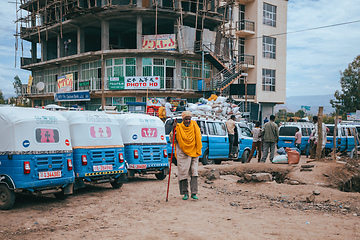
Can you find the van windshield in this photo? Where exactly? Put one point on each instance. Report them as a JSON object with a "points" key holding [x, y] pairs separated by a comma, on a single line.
{"points": [[331, 130], [169, 127], [287, 131]]}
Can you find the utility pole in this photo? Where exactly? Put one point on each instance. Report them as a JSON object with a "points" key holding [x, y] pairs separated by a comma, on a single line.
{"points": [[320, 134]]}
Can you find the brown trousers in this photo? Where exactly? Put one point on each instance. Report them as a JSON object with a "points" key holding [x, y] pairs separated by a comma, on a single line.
{"points": [[184, 189], [257, 146]]}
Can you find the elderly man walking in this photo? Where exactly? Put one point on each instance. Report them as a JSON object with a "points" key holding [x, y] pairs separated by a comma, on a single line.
{"points": [[188, 150], [270, 135]]}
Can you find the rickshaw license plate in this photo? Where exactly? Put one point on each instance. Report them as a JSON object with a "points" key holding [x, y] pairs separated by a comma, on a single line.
{"points": [[50, 174], [137, 166], [97, 168]]}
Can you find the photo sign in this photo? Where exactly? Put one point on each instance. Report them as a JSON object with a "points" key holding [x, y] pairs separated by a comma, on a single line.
{"points": [[65, 83], [142, 82]]}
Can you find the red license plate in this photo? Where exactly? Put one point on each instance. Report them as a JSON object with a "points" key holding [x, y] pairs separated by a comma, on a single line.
{"points": [[97, 168], [50, 174], [137, 166]]}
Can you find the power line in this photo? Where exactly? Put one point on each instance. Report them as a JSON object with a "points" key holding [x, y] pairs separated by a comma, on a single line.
{"points": [[308, 29]]}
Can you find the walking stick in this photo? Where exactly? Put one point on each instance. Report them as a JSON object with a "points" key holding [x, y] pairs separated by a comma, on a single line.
{"points": [[172, 154]]}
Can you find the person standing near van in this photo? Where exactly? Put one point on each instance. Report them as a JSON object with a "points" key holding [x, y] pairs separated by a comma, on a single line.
{"points": [[168, 108], [162, 112], [230, 125], [270, 138], [256, 145], [298, 137], [188, 150], [180, 108]]}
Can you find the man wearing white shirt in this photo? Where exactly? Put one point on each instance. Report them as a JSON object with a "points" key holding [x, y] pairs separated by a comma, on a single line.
{"points": [[168, 108]]}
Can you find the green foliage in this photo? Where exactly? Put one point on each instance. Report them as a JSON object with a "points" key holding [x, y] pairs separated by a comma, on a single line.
{"points": [[300, 113], [347, 100], [2, 100], [17, 85]]}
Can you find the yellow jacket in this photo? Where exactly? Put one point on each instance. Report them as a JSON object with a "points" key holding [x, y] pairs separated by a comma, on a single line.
{"points": [[189, 139]]}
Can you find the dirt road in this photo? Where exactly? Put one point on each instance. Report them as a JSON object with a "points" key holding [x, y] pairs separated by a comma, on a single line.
{"points": [[226, 209]]}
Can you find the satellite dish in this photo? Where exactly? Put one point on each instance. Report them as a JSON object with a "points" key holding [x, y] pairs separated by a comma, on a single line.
{"points": [[40, 86]]}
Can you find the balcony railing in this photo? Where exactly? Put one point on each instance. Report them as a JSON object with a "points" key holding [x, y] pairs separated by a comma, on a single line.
{"points": [[247, 59], [246, 25]]}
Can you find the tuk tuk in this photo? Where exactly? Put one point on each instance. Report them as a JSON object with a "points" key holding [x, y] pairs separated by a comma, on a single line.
{"points": [[35, 154], [145, 144], [98, 148]]}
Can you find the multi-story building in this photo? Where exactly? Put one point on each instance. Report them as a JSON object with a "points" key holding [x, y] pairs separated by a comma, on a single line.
{"points": [[195, 47]]}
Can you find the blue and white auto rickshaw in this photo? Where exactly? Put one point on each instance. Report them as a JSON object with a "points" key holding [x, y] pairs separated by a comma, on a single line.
{"points": [[98, 148], [145, 144], [35, 154]]}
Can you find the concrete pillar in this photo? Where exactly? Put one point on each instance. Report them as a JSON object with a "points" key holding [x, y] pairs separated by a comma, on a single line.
{"points": [[138, 32], [138, 66], [43, 49], [33, 52], [104, 35], [60, 46], [80, 41], [177, 75]]}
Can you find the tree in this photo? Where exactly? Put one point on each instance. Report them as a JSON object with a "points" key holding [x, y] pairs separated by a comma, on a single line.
{"points": [[346, 100], [17, 86], [2, 101], [300, 113]]}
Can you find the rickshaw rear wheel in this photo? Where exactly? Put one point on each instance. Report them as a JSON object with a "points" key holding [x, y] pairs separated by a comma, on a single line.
{"points": [[61, 195], [7, 197], [160, 176], [116, 184]]}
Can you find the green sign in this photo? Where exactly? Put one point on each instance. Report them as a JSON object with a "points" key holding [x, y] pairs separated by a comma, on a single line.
{"points": [[82, 84], [116, 83]]}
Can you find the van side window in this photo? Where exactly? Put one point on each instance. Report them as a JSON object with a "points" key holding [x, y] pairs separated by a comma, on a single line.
{"points": [[46, 135], [245, 132], [216, 129], [350, 131], [305, 132], [331, 130], [202, 127], [169, 125], [287, 131]]}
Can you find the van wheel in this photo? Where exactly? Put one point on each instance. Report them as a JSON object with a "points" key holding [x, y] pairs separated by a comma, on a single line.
{"points": [[7, 197], [245, 156], [160, 176], [116, 184], [205, 159], [61, 195]]}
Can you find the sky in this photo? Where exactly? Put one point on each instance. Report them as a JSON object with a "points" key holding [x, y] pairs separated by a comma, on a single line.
{"points": [[314, 58]]}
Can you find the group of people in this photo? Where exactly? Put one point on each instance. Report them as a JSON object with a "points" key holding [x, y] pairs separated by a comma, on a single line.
{"points": [[166, 109]]}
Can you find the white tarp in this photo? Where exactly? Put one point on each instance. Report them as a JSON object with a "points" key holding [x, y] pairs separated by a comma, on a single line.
{"points": [[141, 128], [93, 129], [33, 130]]}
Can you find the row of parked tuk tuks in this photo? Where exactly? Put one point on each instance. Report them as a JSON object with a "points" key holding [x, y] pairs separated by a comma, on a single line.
{"points": [[48, 152]]}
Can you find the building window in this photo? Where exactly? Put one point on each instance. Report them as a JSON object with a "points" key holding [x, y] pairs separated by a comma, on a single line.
{"points": [[50, 80], [268, 80], [269, 47], [269, 15], [191, 72], [90, 76]]}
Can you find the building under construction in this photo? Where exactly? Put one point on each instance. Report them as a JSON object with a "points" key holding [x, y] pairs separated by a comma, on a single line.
{"points": [[109, 49]]}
